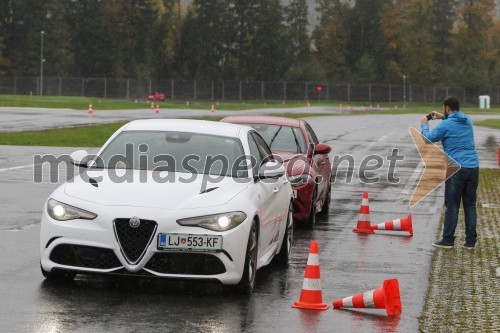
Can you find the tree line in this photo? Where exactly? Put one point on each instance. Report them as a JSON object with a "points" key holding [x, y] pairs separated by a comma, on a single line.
{"points": [[448, 42]]}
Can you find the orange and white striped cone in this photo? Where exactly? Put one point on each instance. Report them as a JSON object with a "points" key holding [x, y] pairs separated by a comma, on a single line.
{"points": [[213, 108], [404, 224], [364, 217], [90, 112], [311, 296], [157, 109], [387, 298], [152, 105]]}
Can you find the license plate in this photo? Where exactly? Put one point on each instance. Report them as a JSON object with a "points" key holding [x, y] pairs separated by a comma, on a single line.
{"points": [[294, 194], [189, 242]]}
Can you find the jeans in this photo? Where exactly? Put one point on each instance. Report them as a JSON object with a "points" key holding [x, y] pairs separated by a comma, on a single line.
{"points": [[462, 187]]}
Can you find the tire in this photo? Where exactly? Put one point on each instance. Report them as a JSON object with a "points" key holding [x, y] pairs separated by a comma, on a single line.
{"points": [[247, 282], [58, 275], [311, 221], [328, 198], [283, 257]]}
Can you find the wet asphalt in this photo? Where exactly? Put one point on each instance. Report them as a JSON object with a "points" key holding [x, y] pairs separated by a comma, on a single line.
{"points": [[350, 263]]}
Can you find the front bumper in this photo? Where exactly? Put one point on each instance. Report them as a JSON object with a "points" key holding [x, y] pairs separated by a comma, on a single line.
{"points": [[91, 246]]}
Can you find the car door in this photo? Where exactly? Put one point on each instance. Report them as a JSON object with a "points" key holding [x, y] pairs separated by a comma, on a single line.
{"points": [[320, 162], [269, 195]]}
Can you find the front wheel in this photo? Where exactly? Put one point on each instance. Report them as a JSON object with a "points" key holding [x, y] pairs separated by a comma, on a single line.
{"points": [[248, 279], [285, 253], [312, 213], [328, 198]]}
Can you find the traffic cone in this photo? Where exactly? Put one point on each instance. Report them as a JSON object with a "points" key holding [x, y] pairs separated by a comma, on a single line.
{"points": [[152, 105], [308, 104], [90, 112], [387, 298], [350, 108], [403, 224], [311, 295], [157, 108], [364, 217], [213, 108]]}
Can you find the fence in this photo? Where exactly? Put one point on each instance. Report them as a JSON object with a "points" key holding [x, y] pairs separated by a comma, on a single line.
{"points": [[238, 90]]}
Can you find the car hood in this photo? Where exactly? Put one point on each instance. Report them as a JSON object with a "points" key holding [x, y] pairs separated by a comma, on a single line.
{"points": [[294, 163], [196, 193]]}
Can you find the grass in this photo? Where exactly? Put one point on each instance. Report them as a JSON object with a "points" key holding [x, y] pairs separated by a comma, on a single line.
{"points": [[85, 136], [82, 103], [493, 123], [463, 292]]}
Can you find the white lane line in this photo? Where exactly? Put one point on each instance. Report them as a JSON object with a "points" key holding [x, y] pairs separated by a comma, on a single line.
{"points": [[412, 182], [16, 167], [381, 139]]}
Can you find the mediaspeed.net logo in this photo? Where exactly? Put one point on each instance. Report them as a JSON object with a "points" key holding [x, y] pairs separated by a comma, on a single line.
{"points": [[438, 167]]}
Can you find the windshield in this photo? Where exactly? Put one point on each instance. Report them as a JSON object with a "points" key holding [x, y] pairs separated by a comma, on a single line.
{"points": [[282, 138], [176, 152]]}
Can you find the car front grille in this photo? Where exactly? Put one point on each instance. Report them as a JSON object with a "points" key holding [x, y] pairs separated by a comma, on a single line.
{"points": [[134, 241], [84, 256], [185, 263]]}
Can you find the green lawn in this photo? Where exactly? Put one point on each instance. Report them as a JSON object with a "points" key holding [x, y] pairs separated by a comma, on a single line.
{"points": [[82, 103], [493, 123]]}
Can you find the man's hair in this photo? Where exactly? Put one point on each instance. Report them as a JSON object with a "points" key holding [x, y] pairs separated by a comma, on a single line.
{"points": [[452, 102]]}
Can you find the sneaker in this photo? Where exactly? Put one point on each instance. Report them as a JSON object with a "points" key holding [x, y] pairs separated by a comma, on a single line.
{"points": [[469, 247], [443, 245]]}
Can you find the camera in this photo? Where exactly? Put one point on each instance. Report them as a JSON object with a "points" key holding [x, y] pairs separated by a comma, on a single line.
{"points": [[430, 116]]}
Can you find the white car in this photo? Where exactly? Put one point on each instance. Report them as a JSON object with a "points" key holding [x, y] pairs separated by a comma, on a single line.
{"points": [[171, 198]]}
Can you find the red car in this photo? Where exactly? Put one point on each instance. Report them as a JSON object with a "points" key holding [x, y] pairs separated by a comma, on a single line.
{"points": [[156, 96], [306, 160]]}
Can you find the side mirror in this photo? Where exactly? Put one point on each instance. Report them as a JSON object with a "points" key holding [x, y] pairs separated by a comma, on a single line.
{"points": [[271, 169], [322, 149], [80, 158]]}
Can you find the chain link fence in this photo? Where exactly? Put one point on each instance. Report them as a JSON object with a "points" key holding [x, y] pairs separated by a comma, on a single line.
{"points": [[135, 89]]}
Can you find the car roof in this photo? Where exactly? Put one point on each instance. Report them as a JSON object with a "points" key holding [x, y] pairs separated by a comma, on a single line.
{"points": [[185, 125], [271, 120]]}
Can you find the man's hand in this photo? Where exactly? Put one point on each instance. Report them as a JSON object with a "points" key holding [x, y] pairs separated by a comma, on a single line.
{"points": [[437, 115]]}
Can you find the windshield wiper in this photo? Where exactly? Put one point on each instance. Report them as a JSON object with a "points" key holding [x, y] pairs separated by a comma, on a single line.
{"points": [[274, 136]]}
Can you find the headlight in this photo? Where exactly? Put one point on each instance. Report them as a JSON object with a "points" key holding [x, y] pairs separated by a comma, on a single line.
{"points": [[218, 222], [299, 180], [61, 212]]}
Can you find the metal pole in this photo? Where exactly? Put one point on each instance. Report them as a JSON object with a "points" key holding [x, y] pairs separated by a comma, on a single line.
{"points": [[404, 90], [41, 63]]}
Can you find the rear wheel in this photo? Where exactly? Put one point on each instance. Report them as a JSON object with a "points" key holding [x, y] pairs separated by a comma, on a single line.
{"points": [[312, 213], [285, 253], [248, 279]]}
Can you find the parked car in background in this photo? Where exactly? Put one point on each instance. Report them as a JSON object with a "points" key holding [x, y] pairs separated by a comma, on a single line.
{"points": [[156, 96], [151, 204], [306, 160]]}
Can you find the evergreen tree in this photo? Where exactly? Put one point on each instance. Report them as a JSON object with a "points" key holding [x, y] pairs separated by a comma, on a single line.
{"points": [[417, 53], [297, 23], [331, 39], [471, 42]]}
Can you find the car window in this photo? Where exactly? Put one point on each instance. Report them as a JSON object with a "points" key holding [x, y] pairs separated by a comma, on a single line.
{"points": [[311, 134], [174, 151], [282, 138], [265, 152], [255, 152]]}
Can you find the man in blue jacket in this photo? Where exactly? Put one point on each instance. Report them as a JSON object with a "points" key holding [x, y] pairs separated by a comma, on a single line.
{"points": [[457, 136]]}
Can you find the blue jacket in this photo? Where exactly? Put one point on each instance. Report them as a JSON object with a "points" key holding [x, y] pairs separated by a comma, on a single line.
{"points": [[457, 137]]}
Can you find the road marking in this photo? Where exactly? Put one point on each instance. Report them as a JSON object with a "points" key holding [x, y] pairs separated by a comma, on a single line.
{"points": [[16, 168], [381, 139], [411, 181]]}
